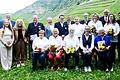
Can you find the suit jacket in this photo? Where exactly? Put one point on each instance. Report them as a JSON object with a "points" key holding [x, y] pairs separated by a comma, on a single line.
{"points": [[62, 30], [65, 23], [102, 20], [34, 30], [83, 22]]}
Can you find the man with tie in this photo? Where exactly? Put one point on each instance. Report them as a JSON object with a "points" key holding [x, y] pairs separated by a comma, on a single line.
{"points": [[63, 30], [104, 18], [33, 30]]}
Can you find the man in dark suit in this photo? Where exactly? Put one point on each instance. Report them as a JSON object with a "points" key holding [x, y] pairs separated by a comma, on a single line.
{"points": [[33, 30], [104, 18], [68, 21], [63, 30], [86, 19]]}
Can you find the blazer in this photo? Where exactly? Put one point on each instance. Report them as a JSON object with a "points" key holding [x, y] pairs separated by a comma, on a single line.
{"points": [[62, 30], [83, 22], [34, 30], [102, 20]]}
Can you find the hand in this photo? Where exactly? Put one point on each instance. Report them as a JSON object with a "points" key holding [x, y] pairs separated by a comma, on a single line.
{"points": [[107, 48]]}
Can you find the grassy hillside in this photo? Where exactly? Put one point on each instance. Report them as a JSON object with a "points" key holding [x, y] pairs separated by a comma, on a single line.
{"points": [[54, 8]]}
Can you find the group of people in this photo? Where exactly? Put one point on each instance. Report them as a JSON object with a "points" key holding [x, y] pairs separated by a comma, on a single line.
{"points": [[98, 37]]}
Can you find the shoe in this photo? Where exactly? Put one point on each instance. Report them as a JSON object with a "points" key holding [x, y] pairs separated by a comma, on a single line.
{"points": [[85, 69], [107, 70], [22, 64], [89, 69], [59, 69], [65, 69], [111, 70], [52, 69], [76, 68], [18, 65]]}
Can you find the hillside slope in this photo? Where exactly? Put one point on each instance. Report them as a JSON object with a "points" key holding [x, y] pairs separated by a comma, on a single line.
{"points": [[54, 8]]}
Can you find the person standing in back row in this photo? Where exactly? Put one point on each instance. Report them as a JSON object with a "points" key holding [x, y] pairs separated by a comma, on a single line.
{"points": [[63, 30], [104, 19], [33, 30]]}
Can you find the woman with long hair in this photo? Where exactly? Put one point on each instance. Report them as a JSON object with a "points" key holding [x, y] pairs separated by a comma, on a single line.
{"points": [[6, 43], [112, 30], [20, 39]]}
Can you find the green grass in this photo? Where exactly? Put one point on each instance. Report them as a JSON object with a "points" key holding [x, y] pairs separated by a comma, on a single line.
{"points": [[24, 73]]}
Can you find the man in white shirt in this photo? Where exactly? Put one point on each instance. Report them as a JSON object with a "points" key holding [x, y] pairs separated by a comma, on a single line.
{"points": [[71, 46], [55, 46], [79, 28], [39, 46]]}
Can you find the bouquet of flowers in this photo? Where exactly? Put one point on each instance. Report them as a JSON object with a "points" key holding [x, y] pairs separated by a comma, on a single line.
{"points": [[93, 29], [53, 48], [101, 45], [70, 50], [110, 32]]}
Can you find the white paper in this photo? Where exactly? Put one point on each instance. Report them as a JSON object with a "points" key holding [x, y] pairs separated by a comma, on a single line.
{"points": [[32, 37]]}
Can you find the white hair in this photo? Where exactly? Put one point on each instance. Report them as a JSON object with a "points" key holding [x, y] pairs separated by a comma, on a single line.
{"points": [[85, 14], [101, 29], [49, 18]]}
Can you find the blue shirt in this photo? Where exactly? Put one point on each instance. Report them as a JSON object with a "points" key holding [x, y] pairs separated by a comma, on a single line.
{"points": [[99, 38]]}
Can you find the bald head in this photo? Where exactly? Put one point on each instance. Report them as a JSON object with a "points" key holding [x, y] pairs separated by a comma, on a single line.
{"points": [[77, 20]]}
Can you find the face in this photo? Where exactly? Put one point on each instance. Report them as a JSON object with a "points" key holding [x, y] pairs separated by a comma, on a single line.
{"points": [[95, 17], [102, 32], [35, 19], [61, 18], [68, 18], [111, 17], [8, 17], [49, 21], [77, 20], [20, 23], [85, 16], [6, 23], [87, 31], [119, 15], [55, 33], [71, 32], [106, 13], [41, 35]]}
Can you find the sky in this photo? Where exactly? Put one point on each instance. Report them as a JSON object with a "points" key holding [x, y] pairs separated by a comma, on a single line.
{"points": [[11, 6]]}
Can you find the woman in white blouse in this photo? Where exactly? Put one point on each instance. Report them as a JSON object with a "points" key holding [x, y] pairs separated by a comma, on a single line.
{"points": [[39, 46], [95, 22], [112, 30], [55, 46], [71, 46]]}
